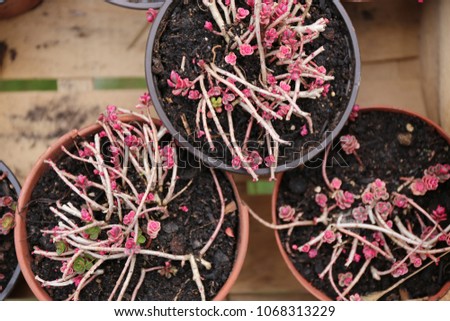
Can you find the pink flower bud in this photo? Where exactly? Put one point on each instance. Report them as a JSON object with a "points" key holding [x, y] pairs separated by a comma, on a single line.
{"points": [[384, 209], [286, 213], [194, 94], [284, 52], [431, 182], [151, 15], [400, 201], [305, 248], [231, 58], [369, 252], [236, 162], [336, 183], [242, 13], [304, 131], [82, 181], [345, 279], [399, 269], [246, 50], [349, 144], [329, 236], [115, 236], [184, 208], [153, 228], [85, 215], [418, 187], [321, 200], [439, 214], [361, 214], [145, 99], [270, 160], [208, 26], [312, 253], [343, 199], [129, 218]]}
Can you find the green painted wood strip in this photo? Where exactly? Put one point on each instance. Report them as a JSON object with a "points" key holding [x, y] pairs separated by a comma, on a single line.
{"points": [[28, 85], [119, 83]]}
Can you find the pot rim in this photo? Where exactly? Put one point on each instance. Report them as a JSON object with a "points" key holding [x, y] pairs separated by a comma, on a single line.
{"points": [[54, 152], [15, 276], [217, 163], [300, 278]]}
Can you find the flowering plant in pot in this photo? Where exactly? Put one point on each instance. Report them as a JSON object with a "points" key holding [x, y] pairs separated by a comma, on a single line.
{"points": [[250, 86], [9, 268], [370, 221], [114, 212]]}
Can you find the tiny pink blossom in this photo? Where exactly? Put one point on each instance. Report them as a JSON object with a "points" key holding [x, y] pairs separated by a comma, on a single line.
{"points": [[246, 50], [349, 144], [384, 209], [200, 134], [343, 199], [242, 13], [345, 279], [145, 99], [418, 187], [304, 131], [153, 228], [236, 162], [355, 113], [250, 3], [360, 214], [305, 248], [329, 236], [115, 236], [194, 94], [286, 213], [336, 183], [247, 92], [285, 86], [439, 214], [151, 15], [208, 26], [129, 218], [399, 269], [284, 52], [369, 252], [312, 253], [321, 200], [150, 197], [416, 261], [231, 58], [431, 182], [294, 247], [130, 245], [269, 160], [77, 280], [355, 297], [184, 208], [400, 201], [82, 181], [85, 215]]}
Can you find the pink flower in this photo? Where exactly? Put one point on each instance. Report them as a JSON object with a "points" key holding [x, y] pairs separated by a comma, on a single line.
{"points": [[321, 200], [269, 160], [284, 52], [378, 188], [305, 248], [304, 131], [355, 297], [82, 181], [250, 3], [115, 236], [200, 134], [231, 58], [442, 172], [153, 228], [355, 113], [247, 92], [345, 279], [145, 99], [439, 214], [151, 15], [254, 160], [336, 183], [416, 261], [242, 13], [399, 269], [194, 94], [130, 246], [129, 218], [286, 213], [369, 252], [431, 182], [85, 215], [367, 197], [270, 36], [184, 208], [312, 253], [361, 214], [283, 110], [349, 144], [401, 201], [6, 201], [418, 187], [384, 209], [150, 197], [77, 280], [343, 199], [208, 26], [64, 269], [236, 162], [246, 50], [285, 86], [132, 141], [215, 91], [180, 86], [329, 236]]}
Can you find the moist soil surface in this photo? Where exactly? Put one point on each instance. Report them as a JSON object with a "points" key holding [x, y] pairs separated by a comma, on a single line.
{"points": [[182, 34], [8, 259], [389, 152], [181, 233]]}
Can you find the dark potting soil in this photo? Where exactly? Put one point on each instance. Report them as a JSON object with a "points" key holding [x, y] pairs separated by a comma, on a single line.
{"points": [[182, 34], [181, 233], [389, 152], [8, 259]]}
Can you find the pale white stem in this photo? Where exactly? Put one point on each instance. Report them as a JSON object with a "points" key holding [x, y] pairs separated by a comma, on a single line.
{"points": [[86, 276], [128, 278], [196, 277], [357, 277], [119, 280]]}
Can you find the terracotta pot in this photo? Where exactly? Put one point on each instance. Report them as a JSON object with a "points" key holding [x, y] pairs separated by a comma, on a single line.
{"points": [[156, 32], [302, 280], [14, 183], [53, 153], [11, 8]]}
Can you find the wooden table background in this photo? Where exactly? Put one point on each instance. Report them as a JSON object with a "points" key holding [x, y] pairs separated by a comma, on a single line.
{"points": [[63, 62]]}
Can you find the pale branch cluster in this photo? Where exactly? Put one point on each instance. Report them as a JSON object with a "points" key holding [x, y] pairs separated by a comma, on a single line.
{"points": [[131, 217], [368, 227], [277, 33]]}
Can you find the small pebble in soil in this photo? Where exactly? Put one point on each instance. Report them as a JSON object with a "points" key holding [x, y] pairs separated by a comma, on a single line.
{"points": [[220, 257], [293, 127], [409, 128], [170, 227], [317, 189], [297, 185], [405, 139]]}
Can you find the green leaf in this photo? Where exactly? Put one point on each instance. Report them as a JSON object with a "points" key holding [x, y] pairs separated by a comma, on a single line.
{"points": [[93, 232], [79, 265], [88, 265], [60, 247], [141, 239]]}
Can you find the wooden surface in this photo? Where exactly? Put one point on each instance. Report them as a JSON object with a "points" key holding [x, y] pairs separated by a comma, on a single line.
{"points": [[77, 42]]}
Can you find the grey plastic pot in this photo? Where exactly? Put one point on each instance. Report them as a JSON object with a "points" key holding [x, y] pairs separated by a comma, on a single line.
{"points": [[13, 183], [352, 88]]}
